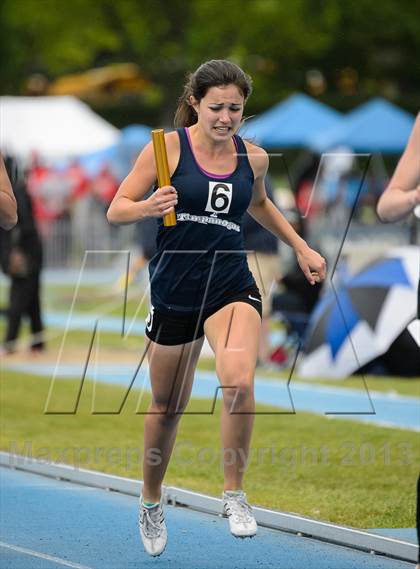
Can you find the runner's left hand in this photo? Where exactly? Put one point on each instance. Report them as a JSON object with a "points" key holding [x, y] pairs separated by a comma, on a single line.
{"points": [[312, 264]]}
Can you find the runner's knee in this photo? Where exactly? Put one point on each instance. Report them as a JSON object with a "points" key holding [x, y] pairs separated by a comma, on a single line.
{"points": [[237, 389]]}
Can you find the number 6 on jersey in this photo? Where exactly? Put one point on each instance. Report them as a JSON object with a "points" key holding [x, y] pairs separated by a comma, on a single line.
{"points": [[220, 197]]}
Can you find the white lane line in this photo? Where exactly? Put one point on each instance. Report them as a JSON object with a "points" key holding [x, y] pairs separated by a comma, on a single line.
{"points": [[43, 556]]}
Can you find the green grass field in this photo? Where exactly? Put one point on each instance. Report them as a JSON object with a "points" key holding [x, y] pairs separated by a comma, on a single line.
{"points": [[336, 470]]}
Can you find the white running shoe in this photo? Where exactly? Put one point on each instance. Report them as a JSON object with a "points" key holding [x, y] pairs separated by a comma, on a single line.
{"points": [[152, 528], [241, 519]]}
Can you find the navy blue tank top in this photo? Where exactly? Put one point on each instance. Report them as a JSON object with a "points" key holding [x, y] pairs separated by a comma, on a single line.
{"points": [[202, 258]]}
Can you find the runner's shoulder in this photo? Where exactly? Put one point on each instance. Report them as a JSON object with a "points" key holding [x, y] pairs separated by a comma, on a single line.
{"points": [[172, 139], [258, 158]]}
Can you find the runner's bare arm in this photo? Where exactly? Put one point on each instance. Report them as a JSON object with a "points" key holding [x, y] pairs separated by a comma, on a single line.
{"points": [[8, 207], [128, 205], [402, 194]]}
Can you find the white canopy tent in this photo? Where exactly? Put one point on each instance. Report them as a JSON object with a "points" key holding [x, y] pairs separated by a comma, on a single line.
{"points": [[55, 128]]}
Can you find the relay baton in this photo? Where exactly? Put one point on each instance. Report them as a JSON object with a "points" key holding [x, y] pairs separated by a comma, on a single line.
{"points": [[162, 168]]}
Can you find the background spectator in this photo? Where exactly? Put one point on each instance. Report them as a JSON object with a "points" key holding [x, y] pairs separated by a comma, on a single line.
{"points": [[21, 260]]}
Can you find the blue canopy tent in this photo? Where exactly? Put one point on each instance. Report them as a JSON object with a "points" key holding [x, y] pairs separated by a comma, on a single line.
{"points": [[375, 126], [136, 135], [120, 156], [291, 123]]}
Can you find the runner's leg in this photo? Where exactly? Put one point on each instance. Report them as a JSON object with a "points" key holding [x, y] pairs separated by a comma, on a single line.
{"points": [[233, 333], [171, 374]]}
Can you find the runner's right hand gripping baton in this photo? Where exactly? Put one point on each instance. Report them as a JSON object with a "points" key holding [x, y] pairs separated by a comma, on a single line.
{"points": [[162, 168]]}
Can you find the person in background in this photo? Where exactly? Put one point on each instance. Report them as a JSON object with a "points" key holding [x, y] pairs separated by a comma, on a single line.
{"points": [[104, 186], [400, 198], [264, 264], [296, 297], [21, 260], [303, 181], [8, 206]]}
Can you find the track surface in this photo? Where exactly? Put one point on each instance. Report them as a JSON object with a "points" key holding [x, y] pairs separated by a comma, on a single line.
{"points": [[47, 523]]}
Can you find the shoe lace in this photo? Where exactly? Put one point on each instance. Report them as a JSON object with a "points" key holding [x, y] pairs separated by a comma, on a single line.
{"points": [[239, 508], [151, 521]]}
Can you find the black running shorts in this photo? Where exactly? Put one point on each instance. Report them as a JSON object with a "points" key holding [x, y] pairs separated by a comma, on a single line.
{"points": [[180, 328]]}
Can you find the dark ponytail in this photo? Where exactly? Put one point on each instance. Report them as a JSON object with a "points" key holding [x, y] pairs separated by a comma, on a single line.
{"points": [[213, 73], [185, 114]]}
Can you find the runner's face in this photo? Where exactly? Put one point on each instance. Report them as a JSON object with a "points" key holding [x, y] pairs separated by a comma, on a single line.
{"points": [[220, 111]]}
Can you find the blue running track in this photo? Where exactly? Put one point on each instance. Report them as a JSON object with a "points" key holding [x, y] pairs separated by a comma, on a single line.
{"points": [[47, 524]]}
